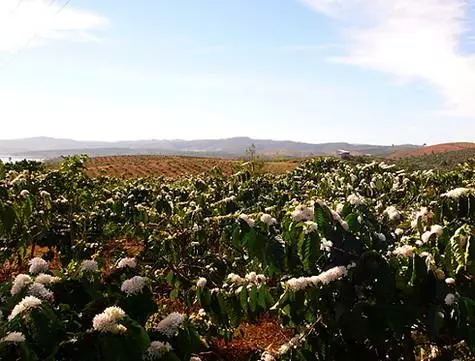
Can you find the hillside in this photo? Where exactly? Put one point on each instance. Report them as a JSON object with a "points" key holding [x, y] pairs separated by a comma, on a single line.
{"points": [[47, 148], [445, 160], [433, 149], [131, 166]]}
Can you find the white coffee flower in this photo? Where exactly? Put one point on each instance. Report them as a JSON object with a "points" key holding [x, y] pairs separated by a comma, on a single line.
{"points": [[170, 324], [133, 285], [14, 337], [354, 199], [201, 282], [39, 290], [46, 279], [250, 222], [19, 283], [438, 230], [26, 304], [266, 356], [404, 251], [392, 213], [449, 299], [108, 321], [302, 213], [24, 193], [450, 281], [398, 232], [268, 219], [157, 349], [456, 193], [89, 265], [38, 265], [333, 274], [309, 227], [127, 262]]}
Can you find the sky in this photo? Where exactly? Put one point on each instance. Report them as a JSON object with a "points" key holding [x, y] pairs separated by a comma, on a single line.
{"points": [[361, 71]]}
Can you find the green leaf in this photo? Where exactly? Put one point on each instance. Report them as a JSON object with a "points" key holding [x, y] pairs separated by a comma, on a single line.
{"points": [[253, 298], [243, 298]]}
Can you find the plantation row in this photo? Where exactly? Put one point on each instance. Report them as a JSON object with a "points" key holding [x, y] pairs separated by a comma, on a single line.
{"points": [[357, 261]]}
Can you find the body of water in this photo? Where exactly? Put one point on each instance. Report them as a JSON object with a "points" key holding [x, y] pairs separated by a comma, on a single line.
{"points": [[14, 159]]}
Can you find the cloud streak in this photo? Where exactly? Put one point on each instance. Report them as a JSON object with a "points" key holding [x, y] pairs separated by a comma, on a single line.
{"points": [[45, 21], [412, 40]]}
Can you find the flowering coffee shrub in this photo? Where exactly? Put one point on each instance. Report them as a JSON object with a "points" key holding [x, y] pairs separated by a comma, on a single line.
{"points": [[355, 260]]}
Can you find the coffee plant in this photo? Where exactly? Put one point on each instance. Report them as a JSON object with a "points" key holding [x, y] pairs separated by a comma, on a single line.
{"points": [[358, 260]]}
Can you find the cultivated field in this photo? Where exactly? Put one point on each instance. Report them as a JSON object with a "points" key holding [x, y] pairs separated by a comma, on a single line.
{"points": [[333, 261], [172, 166], [433, 149]]}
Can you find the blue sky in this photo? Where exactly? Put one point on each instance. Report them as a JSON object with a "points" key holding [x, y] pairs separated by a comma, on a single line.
{"points": [[363, 71]]}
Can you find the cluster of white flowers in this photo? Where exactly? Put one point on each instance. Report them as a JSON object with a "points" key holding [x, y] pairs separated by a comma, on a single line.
{"points": [[266, 356], [157, 349], [302, 213], [339, 207], [326, 245], [456, 193], [19, 283], [250, 222], [38, 265], [19, 180], [449, 299], [297, 284], [251, 277], [268, 219], [355, 199], [201, 282], [89, 265], [45, 194], [404, 251], [24, 305], [39, 290], [127, 262], [399, 232], [392, 213], [46, 279], [133, 285], [337, 218], [385, 166], [229, 199], [309, 227], [450, 281], [435, 229], [108, 321], [14, 337], [293, 343], [24, 193], [170, 324]]}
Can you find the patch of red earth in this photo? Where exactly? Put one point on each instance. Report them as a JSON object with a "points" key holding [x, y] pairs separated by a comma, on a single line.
{"points": [[433, 149], [265, 335]]}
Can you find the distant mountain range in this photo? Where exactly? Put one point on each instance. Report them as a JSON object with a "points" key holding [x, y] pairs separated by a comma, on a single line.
{"points": [[46, 148]]}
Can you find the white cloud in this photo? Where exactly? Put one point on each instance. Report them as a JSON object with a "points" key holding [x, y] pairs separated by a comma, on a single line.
{"points": [[35, 22], [413, 40]]}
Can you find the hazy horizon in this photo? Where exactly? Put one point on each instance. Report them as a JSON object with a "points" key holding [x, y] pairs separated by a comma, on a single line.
{"points": [[196, 139], [314, 71]]}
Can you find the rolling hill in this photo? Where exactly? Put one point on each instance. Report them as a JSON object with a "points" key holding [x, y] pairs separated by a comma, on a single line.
{"points": [[44, 147], [433, 149]]}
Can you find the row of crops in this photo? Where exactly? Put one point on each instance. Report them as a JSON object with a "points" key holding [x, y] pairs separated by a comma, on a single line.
{"points": [[357, 261]]}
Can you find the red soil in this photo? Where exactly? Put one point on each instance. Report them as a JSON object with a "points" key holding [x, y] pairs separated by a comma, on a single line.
{"points": [[433, 149]]}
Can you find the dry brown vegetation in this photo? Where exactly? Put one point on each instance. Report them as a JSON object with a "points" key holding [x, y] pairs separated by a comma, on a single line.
{"points": [[131, 166], [433, 149]]}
